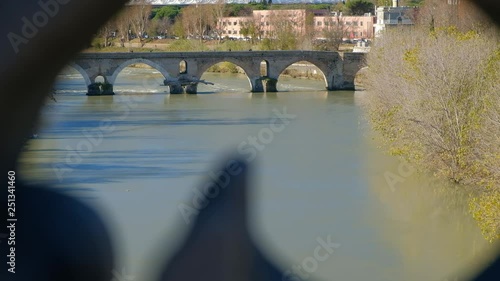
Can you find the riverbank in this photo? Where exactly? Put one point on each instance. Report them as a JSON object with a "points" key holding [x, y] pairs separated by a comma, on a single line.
{"points": [[441, 111]]}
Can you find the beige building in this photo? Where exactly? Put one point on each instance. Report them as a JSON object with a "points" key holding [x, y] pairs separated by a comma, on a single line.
{"points": [[265, 22], [353, 27], [270, 20], [231, 26]]}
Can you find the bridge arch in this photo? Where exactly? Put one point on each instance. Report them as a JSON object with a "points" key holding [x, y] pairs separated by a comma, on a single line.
{"points": [[204, 67], [327, 74], [82, 72], [129, 62]]}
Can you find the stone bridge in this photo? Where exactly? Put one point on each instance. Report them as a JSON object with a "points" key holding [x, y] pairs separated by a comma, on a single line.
{"points": [[262, 68]]}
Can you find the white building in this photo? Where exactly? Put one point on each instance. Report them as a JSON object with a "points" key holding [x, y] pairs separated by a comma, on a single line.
{"points": [[392, 16]]}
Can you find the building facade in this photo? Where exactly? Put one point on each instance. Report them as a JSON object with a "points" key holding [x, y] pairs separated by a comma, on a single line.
{"points": [[353, 27], [231, 26], [267, 22], [388, 17]]}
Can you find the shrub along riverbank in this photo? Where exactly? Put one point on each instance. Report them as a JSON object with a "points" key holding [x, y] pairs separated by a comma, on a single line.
{"points": [[434, 96]]}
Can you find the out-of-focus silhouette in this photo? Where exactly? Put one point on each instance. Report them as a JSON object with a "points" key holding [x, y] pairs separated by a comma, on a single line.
{"points": [[57, 237], [219, 246]]}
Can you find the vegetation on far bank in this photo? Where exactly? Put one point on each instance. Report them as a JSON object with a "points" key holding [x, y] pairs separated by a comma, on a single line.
{"points": [[433, 94], [188, 45], [142, 23]]}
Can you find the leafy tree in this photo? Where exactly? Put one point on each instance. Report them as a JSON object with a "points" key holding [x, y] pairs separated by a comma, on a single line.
{"points": [[318, 6], [415, 2], [169, 12], [383, 2], [235, 10], [338, 7], [359, 7], [258, 6], [410, 3]]}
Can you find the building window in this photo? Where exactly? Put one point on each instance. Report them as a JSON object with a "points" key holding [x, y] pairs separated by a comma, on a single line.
{"points": [[326, 23], [355, 23], [235, 23], [267, 23], [361, 23], [319, 23]]}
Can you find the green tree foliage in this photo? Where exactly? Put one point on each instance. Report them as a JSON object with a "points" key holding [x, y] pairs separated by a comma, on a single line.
{"points": [[338, 7], [258, 6], [169, 12], [237, 10], [410, 3], [383, 2], [318, 6], [359, 7], [414, 3]]}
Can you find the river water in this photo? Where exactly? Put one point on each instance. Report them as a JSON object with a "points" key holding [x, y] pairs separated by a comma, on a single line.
{"points": [[138, 154]]}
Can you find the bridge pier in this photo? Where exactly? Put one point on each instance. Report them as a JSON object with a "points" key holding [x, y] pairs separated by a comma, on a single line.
{"points": [[192, 89], [257, 85], [176, 89], [330, 82], [100, 89], [271, 84]]}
